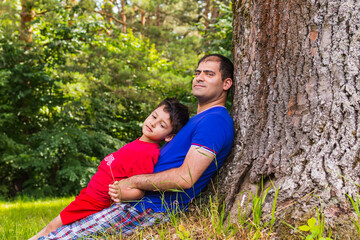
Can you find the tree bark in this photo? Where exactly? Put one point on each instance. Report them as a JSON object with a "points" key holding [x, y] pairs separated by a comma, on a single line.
{"points": [[214, 12], [206, 13], [142, 18], [148, 21], [108, 11], [158, 15], [123, 15], [2, 7], [27, 15], [296, 107]]}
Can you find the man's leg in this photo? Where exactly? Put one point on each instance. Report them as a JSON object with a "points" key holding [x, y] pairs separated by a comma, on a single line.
{"points": [[117, 219]]}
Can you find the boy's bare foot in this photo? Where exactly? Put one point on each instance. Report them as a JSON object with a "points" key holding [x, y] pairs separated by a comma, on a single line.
{"points": [[52, 226]]}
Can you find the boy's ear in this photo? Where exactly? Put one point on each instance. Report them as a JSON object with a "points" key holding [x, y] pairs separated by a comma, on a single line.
{"points": [[169, 137]]}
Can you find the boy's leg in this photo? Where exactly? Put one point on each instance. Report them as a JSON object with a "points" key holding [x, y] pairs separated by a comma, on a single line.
{"points": [[117, 219], [52, 226]]}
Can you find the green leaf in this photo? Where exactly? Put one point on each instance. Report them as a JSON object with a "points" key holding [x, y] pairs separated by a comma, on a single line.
{"points": [[304, 228], [315, 229], [310, 237], [311, 222]]}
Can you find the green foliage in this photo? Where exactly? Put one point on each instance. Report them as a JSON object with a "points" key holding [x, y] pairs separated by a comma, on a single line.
{"points": [[316, 227], [316, 230], [258, 222], [75, 94], [356, 205], [182, 233], [217, 37], [82, 87]]}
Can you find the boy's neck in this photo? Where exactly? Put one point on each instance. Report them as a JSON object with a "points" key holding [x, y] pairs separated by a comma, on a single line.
{"points": [[143, 138]]}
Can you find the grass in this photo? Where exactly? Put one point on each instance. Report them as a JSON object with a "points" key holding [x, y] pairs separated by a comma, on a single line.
{"points": [[22, 218]]}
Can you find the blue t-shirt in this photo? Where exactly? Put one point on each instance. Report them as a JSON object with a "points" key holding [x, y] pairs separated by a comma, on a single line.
{"points": [[212, 130]]}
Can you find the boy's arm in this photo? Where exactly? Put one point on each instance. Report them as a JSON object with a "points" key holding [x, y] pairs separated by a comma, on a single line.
{"points": [[184, 177], [126, 193]]}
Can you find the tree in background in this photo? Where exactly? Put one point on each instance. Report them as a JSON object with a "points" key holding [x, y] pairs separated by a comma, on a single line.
{"points": [[78, 90], [296, 108], [217, 29]]}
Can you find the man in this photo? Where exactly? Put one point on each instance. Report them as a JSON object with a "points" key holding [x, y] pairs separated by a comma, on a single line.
{"points": [[186, 164]]}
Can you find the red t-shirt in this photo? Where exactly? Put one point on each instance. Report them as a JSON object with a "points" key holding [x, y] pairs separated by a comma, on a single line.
{"points": [[134, 158]]}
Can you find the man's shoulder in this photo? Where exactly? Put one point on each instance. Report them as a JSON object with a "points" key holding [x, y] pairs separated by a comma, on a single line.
{"points": [[217, 116], [215, 124]]}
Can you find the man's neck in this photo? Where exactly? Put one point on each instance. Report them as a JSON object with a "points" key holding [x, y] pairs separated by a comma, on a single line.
{"points": [[205, 106]]}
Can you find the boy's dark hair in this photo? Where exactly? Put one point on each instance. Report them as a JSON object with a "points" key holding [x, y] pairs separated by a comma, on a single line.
{"points": [[179, 113], [226, 66]]}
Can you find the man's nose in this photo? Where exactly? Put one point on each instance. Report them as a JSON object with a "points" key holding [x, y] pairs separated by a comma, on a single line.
{"points": [[199, 77]]}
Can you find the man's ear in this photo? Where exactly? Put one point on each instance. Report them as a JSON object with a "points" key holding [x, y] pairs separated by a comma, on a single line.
{"points": [[169, 137], [227, 83]]}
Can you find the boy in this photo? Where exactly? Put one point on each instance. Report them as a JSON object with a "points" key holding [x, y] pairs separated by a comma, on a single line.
{"points": [[137, 157]]}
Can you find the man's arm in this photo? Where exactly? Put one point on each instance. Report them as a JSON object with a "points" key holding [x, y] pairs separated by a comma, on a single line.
{"points": [[196, 162]]}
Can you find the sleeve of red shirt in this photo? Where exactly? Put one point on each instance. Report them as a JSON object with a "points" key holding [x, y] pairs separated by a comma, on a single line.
{"points": [[137, 161]]}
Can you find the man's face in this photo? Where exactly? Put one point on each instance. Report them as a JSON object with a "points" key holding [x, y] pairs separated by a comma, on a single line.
{"points": [[157, 126], [207, 84]]}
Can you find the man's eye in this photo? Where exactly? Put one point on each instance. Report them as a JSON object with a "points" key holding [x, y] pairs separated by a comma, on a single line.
{"points": [[154, 116], [162, 126]]}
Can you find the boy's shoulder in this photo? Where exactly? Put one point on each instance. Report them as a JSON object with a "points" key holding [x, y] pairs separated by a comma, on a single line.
{"points": [[138, 147]]}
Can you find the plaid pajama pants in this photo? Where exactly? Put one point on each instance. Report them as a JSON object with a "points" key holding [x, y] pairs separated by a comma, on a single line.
{"points": [[117, 219]]}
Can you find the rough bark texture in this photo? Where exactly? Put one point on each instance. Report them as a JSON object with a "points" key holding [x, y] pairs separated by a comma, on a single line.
{"points": [[296, 106]]}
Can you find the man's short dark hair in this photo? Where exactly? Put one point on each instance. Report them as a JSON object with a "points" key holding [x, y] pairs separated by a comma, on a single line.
{"points": [[179, 113], [226, 66]]}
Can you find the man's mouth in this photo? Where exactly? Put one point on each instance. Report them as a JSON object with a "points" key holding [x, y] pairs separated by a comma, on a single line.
{"points": [[199, 86]]}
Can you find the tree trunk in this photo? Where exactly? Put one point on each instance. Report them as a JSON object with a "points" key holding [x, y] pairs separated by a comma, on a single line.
{"points": [[296, 107], [206, 13], [158, 16], [108, 11], [142, 18], [27, 15], [214, 12], [148, 21], [2, 8], [71, 4], [123, 15]]}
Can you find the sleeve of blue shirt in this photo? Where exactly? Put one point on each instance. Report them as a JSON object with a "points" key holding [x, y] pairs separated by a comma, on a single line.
{"points": [[213, 133]]}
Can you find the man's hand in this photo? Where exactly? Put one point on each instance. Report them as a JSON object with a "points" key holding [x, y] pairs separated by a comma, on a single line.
{"points": [[122, 191]]}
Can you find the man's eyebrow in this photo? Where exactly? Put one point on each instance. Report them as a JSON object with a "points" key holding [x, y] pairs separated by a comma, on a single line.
{"points": [[205, 71]]}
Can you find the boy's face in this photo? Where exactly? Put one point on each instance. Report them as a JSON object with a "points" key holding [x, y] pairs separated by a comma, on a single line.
{"points": [[157, 126]]}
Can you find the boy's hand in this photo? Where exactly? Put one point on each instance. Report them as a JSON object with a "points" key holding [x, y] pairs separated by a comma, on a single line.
{"points": [[122, 191], [114, 191]]}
